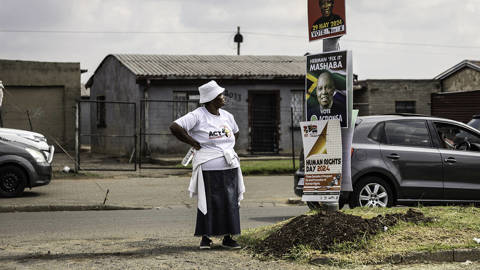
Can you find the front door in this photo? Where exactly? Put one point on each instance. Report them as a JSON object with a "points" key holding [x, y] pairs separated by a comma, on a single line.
{"points": [[264, 119], [460, 150]]}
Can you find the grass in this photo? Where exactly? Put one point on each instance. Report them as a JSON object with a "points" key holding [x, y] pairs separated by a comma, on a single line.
{"points": [[453, 227], [263, 167]]}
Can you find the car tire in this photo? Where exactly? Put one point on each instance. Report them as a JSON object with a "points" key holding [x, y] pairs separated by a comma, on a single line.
{"points": [[12, 181], [372, 191], [317, 205]]}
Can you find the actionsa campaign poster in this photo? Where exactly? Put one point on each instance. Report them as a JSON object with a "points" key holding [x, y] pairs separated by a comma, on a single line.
{"points": [[326, 19], [329, 84], [322, 144]]}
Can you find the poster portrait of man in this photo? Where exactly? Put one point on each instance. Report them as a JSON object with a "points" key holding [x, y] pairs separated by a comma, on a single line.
{"points": [[326, 94], [326, 18], [330, 100]]}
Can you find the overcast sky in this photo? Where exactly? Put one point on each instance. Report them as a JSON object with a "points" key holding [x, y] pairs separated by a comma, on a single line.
{"points": [[390, 39]]}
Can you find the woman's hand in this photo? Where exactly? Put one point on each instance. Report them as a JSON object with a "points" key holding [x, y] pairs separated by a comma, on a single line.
{"points": [[195, 145], [183, 136]]}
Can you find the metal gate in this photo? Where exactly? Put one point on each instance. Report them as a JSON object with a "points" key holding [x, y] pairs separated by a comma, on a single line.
{"points": [[105, 135]]}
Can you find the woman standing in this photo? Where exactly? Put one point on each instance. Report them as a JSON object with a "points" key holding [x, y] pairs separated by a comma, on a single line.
{"points": [[216, 178]]}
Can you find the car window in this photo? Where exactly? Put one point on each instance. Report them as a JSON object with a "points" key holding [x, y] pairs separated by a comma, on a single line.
{"points": [[453, 136], [407, 133], [378, 133], [475, 123]]}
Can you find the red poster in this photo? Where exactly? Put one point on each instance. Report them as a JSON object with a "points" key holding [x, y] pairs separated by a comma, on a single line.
{"points": [[326, 19]]}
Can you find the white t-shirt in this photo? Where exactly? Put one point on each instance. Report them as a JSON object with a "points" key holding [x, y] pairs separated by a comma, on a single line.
{"points": [[211, 131]]}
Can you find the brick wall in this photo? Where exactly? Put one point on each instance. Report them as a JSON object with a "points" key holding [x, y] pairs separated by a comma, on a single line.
{"points": [[382, 94]]}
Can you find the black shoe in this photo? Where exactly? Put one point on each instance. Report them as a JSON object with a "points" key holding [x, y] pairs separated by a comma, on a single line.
{"points": [[206, 243], [229, 243]]}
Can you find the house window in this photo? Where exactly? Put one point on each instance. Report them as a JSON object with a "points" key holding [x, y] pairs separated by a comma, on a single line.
{"points": [[188, 101], [405, 107], [101, 112], [297, 103]]}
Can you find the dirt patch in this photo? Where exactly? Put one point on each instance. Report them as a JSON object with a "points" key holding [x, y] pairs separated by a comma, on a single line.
{"points": [[322, 230]]}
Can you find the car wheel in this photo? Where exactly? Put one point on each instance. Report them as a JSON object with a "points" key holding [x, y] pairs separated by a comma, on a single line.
{"points": [[12, 181], [372, 192], [317, 206]]}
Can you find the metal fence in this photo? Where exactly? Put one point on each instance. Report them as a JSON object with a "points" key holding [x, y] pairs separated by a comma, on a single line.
{"points": [[155, 138], [106, 136]]}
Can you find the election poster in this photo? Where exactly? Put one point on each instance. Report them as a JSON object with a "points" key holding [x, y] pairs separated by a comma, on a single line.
{"points": [[326, 19], [322, 144], [329, 84]]}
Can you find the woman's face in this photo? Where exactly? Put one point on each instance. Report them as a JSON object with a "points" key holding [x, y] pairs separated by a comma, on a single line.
{"points": [[219, 101]]}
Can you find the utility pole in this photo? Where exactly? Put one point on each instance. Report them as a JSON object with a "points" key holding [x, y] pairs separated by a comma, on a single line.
{"points": [[238, 39], [331, 44]]}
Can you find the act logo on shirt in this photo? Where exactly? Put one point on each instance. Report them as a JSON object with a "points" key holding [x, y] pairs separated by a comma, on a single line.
{"points": [[219, 133]]}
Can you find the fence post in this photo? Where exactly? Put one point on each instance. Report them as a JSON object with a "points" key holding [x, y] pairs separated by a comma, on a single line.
{"points": [[77, 136], [29, 120], [293, 139]]}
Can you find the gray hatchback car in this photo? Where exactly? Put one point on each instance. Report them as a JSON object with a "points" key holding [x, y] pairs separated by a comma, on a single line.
{"points": [[21, 166], [405, 159]]}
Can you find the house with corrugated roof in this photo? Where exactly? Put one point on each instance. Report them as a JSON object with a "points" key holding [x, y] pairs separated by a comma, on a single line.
{"points": [[264, 93], [459, 98]]}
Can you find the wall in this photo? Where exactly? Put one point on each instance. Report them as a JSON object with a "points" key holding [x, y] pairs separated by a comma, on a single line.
{"points": [[360, 101], [116, 83], [459, 106], [463, 80], [48, 77], [382, 94]]}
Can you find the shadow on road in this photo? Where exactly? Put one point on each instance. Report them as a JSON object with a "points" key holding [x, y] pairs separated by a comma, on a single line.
{"points": [[139, 253], [271, 219], [26, 194]]}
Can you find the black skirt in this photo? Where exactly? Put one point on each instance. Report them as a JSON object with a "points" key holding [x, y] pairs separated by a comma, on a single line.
{"points": [[221, 190]]}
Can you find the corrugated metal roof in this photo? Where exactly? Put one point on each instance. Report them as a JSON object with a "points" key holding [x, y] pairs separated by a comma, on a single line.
{"points": [[214, 66]]}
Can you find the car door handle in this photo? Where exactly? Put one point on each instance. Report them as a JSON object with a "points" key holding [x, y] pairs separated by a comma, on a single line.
{"points": [[450, 160], [393, 156]]}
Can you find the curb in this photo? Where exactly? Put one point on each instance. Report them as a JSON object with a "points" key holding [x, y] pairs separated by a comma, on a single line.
{"points": [[51, 208], [455, 255], [296, 201]]}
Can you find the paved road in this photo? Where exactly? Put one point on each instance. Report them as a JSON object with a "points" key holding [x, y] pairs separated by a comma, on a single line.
{"points": [[146, 239], [157, 223], [167, 192], [142, 239]]}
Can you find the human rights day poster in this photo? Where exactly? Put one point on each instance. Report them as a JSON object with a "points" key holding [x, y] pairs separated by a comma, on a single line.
{"points": [[326, 19], [322, 144], [329, 84]]}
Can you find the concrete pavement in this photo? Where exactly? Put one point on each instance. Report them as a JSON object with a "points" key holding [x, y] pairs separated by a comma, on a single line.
{"points": [[127, 192]]}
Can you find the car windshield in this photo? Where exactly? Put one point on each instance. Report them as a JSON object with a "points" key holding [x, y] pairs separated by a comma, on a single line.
{"points": [[475, 123]]}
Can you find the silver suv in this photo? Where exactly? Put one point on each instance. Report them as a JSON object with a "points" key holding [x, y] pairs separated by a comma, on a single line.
{"points": [[405, 159]]}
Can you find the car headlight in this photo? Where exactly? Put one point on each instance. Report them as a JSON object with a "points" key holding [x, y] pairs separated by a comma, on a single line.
{"points": [[39, 157]]}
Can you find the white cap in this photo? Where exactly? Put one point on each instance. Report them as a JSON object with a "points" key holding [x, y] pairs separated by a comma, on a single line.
{"points": [[209, 91], [1, 85]]}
